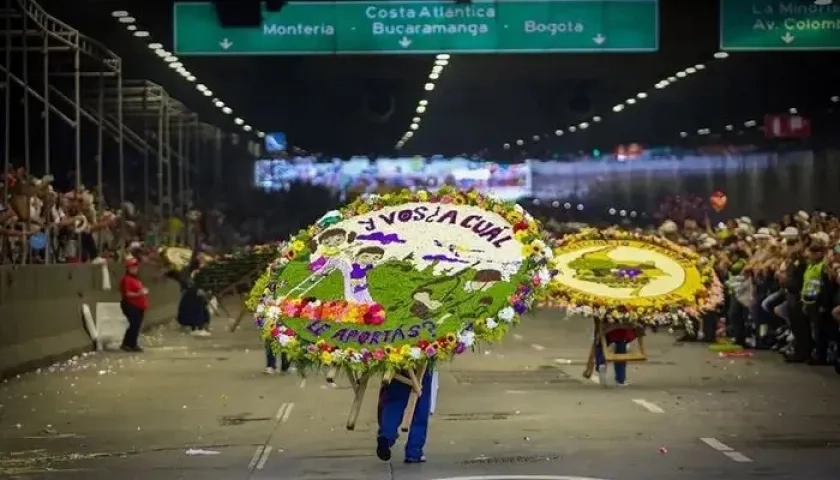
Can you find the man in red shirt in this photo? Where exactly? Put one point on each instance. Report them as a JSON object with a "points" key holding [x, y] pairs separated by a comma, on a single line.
{"points": [[135, 301]]}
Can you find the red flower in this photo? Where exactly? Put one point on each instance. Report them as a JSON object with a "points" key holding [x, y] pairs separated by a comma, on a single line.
{"points": [[521, 225], [423, 344], [325, 347], [275, 332]]}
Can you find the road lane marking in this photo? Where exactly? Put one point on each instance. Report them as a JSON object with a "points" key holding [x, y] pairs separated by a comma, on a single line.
{"points": [[537, 347], [649, 406], [287, 413], [264, 457], [256, 457], [280, 411], [725, 449]]}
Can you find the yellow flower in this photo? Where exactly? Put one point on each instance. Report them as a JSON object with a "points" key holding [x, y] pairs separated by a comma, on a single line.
{"points": [[326, 358], [395, 358], [520, 235], [362, 209], [298, 246], [530, 250]]}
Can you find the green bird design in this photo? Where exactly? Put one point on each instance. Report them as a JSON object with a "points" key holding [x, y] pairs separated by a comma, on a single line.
{"points": [[598, 266]]}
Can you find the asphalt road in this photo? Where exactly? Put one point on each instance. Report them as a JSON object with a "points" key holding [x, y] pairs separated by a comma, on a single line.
{"points": [[516, 411]]}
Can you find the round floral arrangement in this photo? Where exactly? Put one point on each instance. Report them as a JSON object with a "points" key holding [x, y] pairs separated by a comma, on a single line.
{"points": [[629, 277], [394, 280]]}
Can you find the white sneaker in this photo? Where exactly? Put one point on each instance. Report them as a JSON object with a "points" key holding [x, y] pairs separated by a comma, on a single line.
{"points": [[200, 333], [270, 370], [602, 375]]}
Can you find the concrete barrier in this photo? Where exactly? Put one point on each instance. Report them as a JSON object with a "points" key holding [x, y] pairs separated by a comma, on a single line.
{"points": [[40, 310]]}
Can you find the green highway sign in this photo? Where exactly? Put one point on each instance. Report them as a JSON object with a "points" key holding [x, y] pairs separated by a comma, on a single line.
{"points": [[761, 25], [423, 27]]}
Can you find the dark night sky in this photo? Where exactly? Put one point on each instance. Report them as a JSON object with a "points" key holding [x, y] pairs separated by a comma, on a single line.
{"points": [[481, 101]]}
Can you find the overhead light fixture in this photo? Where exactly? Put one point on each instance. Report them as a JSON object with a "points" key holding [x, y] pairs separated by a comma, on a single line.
{"points": [[437, 69], [161, 53], [415, 120], [729, 128], [126, 19], [835, 99], [423, 102], [596, 119], [433, 76], [672, 79], [191, 78], [141, 33], [176, 65], [793, 111], [721, 55], [420, 109], [618, 108], [409, 134], [520, 142], [429, 87], [750, 123], [170, 59], [207, 93], [631, 101], [442, 63], [683, 134], [201, 87], [690, 70], [131, 28], [238, 121], [414, 126], [119, 13], [260, 134], [227, 110], [558, 132], [681, 74], [442, 56], [155, 46], [572, 128], [699, 66], [641, 95], [247, 128], [583, 125], [220, 103]]}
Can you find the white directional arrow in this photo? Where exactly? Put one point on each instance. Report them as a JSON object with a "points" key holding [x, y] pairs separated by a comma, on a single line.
{"points": [[788, 38], [225, 44], [599, 39], [405, 42]]}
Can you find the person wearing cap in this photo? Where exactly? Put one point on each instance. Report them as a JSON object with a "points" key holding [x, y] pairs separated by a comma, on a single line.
{"points": [[135, 302], [817, 297], [794, 278]]}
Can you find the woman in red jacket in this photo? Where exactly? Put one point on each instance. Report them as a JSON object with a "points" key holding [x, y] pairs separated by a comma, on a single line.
{"points": [[135, 301]]}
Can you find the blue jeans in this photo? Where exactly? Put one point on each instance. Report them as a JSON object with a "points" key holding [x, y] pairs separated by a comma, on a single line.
{"points": [[393, 399], [619, 367]]}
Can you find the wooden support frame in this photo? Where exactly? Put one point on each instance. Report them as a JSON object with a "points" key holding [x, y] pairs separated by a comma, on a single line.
{"points": [[600, 340], [413, 378]]}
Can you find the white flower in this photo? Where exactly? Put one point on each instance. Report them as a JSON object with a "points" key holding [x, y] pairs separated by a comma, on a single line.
{"points": [[467, 337], [518, 208], [356, 357], [260, 308], [544, 275], [491, 323], [273, 312], [283, 340], [338, 355], [415, 353], [506, 314]]}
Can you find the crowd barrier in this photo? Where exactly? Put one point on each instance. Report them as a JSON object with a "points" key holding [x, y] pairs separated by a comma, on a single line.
{"points": [[41, 306]]}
